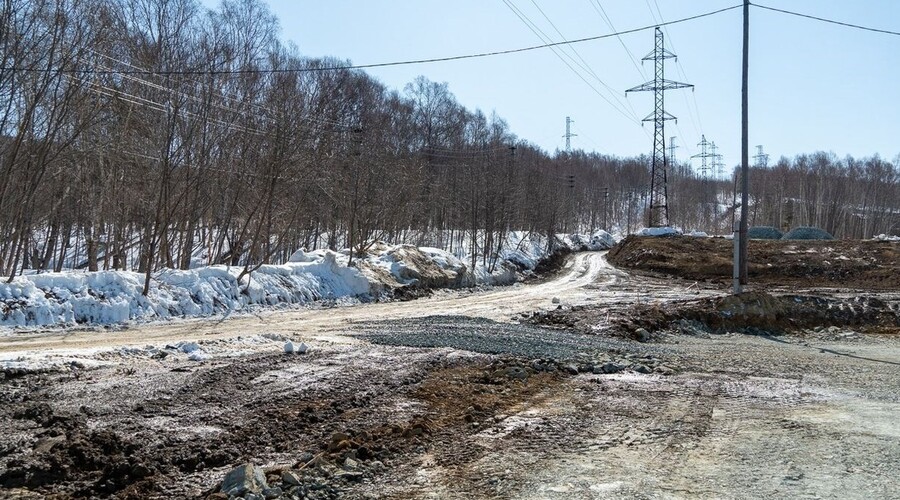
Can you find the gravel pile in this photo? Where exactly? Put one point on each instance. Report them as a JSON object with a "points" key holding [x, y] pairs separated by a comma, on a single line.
{"points": [[489, 337], [524, 350]]}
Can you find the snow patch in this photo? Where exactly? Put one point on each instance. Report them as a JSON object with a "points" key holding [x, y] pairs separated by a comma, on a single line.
{"points": [[658, 231]]}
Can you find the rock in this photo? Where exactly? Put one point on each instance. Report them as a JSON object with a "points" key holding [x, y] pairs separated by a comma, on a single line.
{"points": [[289, 347], [244, 479], [641, 369], [271, 493], [516, 372], [302, 348], [642, 335], [555, 300], [664, 370], [571, 369], [291, 478], [349, 476], [337, 437], [611, 368], [305, 457], [188, 347], [350, 463]]}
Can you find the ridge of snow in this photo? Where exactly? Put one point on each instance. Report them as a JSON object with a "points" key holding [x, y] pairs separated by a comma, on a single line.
{"points": [[113, 297]]}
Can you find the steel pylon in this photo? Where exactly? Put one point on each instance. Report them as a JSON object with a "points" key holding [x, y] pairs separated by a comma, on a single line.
{"points": [[659, 205]]}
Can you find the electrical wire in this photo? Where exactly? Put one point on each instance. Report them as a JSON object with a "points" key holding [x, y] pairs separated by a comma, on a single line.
{"points": [[543, 37], [387, 64], [830, 21], [585, 66], [608, 20]]}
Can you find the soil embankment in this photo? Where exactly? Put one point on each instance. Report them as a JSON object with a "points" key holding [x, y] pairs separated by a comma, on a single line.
{"points": [[858, 264]]}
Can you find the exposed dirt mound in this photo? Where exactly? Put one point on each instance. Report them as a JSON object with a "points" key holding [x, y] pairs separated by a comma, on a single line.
{"points": [[873, 265], [769, 313]]}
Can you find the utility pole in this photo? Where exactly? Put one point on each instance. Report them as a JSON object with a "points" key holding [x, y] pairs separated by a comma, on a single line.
{"points": [[762, 159], [569, 135], [703, 155], [672, 148], [745, 155], [658, 214]]}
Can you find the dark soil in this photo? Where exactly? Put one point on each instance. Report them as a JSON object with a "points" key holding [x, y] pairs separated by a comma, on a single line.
{"points": [[97, 434], [858, 264], [758, 312]]}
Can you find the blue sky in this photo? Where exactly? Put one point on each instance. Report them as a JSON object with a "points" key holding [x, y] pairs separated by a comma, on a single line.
{"points": [[813, 86]]}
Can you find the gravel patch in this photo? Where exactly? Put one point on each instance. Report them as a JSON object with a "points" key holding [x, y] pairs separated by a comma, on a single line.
{"points": [[490, 337]]}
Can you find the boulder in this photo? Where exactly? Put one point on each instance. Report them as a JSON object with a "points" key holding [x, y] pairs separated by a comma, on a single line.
{"points": [[246, 478]]}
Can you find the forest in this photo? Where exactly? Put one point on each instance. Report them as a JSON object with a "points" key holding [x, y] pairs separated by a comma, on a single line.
{"points": [[145, 134]]}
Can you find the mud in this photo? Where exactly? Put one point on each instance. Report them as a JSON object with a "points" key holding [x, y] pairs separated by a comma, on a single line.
{"points": [[421, 400], [379, 421]]}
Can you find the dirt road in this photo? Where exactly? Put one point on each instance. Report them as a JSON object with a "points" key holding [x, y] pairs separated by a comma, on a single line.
{"points": [[403, 401], [577, 283]]}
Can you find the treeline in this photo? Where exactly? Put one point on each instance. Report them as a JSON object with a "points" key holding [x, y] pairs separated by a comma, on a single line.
{"points": [[146, 133]]}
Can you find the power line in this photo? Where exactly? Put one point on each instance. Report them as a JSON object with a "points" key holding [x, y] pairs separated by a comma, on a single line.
{"points": [[543, 36], [382, 65], [824, 20], [608, 20], [585, 66]]}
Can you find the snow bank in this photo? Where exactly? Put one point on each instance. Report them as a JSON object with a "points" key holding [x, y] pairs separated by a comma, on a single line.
{"points": [[109, 297], [886, 237], [112, 297], [658, 231]]}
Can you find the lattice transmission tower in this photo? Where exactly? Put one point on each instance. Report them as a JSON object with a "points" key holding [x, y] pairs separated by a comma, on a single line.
{"points": [[718, 166], [672, 148], [659, 206], [569, 135], [762, 159], [704, 154]]}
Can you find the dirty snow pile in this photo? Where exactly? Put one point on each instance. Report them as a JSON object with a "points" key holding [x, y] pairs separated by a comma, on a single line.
{"points": [[110, 297], [658, 231], [886, 237]]}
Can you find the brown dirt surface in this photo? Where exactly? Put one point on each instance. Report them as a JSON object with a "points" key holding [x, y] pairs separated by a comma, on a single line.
{"points": [[766, 313], [858, 264]]}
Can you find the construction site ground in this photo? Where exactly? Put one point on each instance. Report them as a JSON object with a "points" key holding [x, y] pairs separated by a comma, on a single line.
{"points": [[589, 384]]}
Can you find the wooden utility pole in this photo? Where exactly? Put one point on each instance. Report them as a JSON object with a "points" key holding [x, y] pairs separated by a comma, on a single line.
{"points": [[745, 150]]}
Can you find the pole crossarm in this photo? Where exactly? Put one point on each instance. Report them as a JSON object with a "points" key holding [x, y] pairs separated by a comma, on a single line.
{"points": [[662, 53], [666, 116], [652, 86]]}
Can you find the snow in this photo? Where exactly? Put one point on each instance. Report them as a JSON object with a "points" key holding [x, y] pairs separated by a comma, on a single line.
{"points": [[114, 297], [885, 237], [658, 231]]}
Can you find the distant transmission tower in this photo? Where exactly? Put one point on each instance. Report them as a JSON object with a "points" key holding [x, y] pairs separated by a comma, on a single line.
{"points": [[569, 135], [659, 205], [718, 167], [762, 159], [703, 155], [672, 148]]}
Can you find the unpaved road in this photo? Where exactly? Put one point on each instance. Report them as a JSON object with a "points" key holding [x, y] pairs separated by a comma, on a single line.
{"points": [[430, 415], [578, 282]]}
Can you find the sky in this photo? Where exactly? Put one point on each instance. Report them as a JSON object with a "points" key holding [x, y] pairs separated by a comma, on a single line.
{"points": [[813, 86]]}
